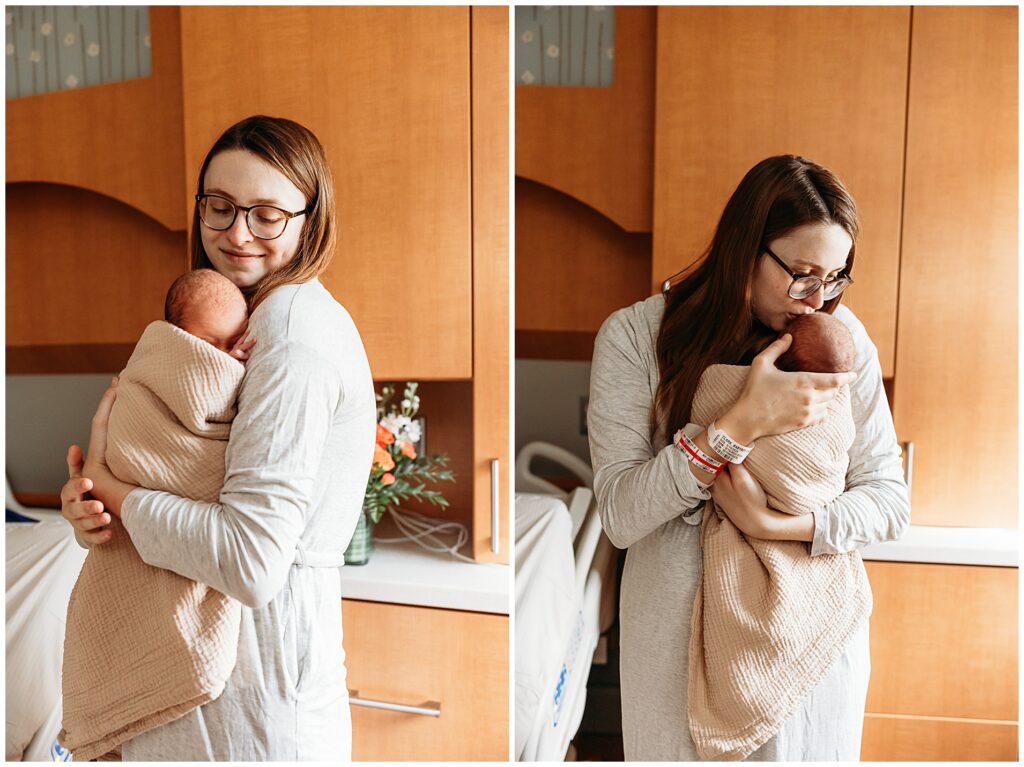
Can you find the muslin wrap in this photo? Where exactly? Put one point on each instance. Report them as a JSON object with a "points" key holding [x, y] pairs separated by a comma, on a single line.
{"points": [[768, 619], [144, 646]]}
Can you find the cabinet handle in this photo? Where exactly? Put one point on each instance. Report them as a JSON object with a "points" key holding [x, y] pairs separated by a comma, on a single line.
{"points": [[495, 508], [430, 708], [908, 466]]}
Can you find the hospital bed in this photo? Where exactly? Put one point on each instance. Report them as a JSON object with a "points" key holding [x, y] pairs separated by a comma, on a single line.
{"points": [[565, 599], [42, 565]]}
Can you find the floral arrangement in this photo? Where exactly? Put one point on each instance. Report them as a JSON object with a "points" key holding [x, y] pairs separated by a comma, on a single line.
{"points": [[398, 473]]}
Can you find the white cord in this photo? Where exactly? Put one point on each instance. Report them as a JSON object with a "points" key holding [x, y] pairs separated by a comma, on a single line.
{"points": [[416, 527]]}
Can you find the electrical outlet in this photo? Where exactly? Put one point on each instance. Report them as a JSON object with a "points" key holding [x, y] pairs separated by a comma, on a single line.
{"points": [[584, 402]]}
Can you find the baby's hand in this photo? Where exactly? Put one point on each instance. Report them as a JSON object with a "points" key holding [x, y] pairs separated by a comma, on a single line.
{"points": [[240, 351]]}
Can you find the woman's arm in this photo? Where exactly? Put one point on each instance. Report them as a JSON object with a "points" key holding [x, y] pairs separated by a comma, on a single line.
{"points": [[638, 489], [875, 506], [244, 544]]}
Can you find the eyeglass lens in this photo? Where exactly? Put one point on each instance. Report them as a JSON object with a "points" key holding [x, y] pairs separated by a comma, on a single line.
{"points": [[264, 222], [805, 286]]}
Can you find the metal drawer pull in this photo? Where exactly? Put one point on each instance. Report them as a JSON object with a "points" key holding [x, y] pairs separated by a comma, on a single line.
{"points": [[430, 708], [908, 466], [495, 508]]}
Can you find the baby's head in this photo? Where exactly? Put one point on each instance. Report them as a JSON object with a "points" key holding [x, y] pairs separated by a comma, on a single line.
{"points": [[821, 344], [207, 304]]}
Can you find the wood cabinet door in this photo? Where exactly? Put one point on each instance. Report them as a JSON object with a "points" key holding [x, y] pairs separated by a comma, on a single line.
{"points": [[386, 90], [121, 139], [736, 85], [956, 382], [425, 657], [596, 143], [944, 663], [491, 500]]}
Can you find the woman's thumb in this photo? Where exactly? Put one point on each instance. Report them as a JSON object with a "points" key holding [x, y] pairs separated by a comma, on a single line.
{"points": [[777, 348]]}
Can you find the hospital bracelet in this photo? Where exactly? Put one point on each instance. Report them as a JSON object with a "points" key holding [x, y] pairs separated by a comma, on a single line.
{"points": [[726, 446], [695, 455]]}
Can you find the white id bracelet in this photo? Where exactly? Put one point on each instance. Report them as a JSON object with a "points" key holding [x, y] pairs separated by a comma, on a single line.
{"points": [[695, 455], [731, 450]]}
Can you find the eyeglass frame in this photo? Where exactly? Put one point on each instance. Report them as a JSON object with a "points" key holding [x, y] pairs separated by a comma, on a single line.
{"points": [[287, 214], [797, 276]]}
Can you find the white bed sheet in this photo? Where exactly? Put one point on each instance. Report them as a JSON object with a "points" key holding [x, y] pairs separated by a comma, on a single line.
{"points": [[546, 603], [42, 564]]}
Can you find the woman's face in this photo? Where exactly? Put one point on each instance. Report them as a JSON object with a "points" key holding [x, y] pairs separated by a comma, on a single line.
{"points": [[818, 249], [245, 179]]}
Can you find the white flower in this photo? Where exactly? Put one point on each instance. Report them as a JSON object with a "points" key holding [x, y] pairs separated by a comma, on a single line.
{"points": [[403, 427], [527, 36], [528, 77], [553, 51], [145, 41], [46, 29], [611, 53], [35, 57], [69, 38], [406, 404], [71, 81], [93, 50]]}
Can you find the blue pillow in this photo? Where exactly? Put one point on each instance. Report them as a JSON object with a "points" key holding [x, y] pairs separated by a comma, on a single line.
{"points": [[13, 516]]}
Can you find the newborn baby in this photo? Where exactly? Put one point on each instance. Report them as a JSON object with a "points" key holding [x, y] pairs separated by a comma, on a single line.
{"points": [[208, 305], [175, 639], [821, 344]]}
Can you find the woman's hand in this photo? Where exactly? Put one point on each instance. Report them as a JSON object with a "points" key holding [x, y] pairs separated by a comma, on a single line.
{"points": [[737, 493], [775, 402], [240, 351], [87, 517], [741, 497], [93, 475]]}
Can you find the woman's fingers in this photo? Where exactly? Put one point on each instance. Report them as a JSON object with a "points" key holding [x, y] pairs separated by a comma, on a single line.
{"points": [[243, 347], [98, 435], [90, 521], [776, 348], [98, 536], [74, 489], [75, 461], [831, 380]]}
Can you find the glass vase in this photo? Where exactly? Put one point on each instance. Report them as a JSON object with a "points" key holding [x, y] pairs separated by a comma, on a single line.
{"points": [[361, 545]]}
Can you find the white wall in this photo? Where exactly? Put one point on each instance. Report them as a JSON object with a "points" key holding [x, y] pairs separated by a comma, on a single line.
{"points": [[45, 415], [547, 403]]}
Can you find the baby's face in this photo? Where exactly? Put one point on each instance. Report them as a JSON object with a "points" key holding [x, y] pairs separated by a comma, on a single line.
{"points": [[222, 327]]}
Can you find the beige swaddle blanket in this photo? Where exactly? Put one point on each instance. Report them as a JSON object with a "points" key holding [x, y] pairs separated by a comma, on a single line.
{"points": [[768, 619], [143, 645]]}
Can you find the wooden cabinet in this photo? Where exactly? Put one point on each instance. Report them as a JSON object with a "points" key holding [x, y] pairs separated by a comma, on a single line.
{"points": [[944, 663], [427, 658], [387, 92], [956, 354], [596, 144], [122, 139], [737, 85]]}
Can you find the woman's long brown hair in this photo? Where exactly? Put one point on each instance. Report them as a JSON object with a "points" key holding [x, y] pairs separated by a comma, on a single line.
{"points": [[708, 318], [297, 154]]}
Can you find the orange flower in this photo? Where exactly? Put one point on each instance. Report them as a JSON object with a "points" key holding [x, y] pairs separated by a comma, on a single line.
{"points": [[384, 437], [387, 479], [383, 459], [408, 450]]}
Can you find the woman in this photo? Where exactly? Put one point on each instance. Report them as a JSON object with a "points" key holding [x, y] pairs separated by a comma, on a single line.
{"points": [[296, 466], [784, 246]]}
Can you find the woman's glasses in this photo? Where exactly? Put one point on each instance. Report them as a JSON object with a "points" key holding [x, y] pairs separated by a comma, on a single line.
{"points": [[265, 221], [804, 285]]}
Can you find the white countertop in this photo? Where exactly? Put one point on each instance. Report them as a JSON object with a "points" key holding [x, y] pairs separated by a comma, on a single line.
{"points": [[950, 546], [406, 574]]}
